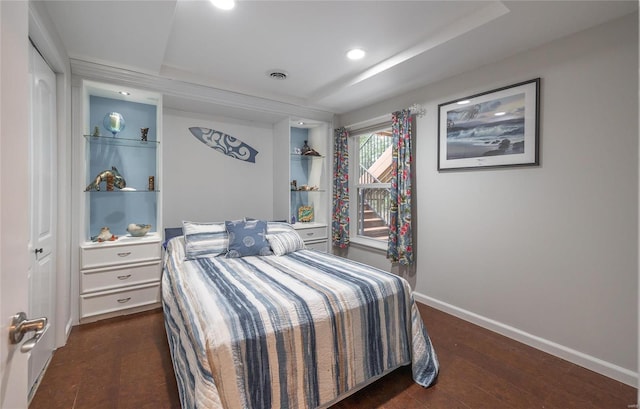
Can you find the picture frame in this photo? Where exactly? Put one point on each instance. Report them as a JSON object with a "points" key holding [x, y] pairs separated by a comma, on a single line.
{"points": [[305, 214], [492, 129]]}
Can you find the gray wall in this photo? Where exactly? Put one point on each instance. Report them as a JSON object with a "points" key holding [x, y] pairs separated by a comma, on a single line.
{"points": [[547, 254], [202, 184]]}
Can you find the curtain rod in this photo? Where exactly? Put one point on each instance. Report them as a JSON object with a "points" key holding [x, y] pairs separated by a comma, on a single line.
{"points": [[382, 121]]}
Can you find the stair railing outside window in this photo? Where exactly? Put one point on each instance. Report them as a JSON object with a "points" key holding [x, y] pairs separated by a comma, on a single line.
{"points": [[372, 183]]}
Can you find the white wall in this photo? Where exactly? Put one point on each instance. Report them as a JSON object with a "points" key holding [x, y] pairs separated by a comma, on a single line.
{"points": [[547, 254], [202, 184]]}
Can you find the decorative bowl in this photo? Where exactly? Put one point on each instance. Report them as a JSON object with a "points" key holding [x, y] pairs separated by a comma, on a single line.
{"points": [[113, 122], [138, 230]]}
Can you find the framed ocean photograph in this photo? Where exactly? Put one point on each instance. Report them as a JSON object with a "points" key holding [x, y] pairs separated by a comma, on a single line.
{"points": [[495, 128]]}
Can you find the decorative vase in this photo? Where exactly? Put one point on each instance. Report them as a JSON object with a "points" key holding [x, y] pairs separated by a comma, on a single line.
{"points": [[113, 122]]}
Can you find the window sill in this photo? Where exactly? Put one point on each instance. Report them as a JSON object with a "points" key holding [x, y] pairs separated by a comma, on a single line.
{"points": [[369, 243]]}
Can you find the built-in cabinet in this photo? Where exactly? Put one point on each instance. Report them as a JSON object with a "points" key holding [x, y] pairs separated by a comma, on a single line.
{"points": [[119, 277], [121, 185], [303, 198]]}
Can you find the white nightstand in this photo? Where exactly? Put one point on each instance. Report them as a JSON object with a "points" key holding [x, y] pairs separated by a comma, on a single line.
{"points": [[120, 277], [314, 235]]}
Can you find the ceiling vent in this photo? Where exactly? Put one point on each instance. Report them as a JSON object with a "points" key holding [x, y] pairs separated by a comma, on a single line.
{"points": [[277, 75]]}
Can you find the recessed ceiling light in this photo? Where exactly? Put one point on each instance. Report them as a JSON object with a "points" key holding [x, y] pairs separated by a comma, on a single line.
{"points": [[224, 4], [124, 93], [355, 54], [300, 123]]}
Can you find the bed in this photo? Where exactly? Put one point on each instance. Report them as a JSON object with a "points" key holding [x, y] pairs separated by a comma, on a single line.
{"points": [[294, 329]]}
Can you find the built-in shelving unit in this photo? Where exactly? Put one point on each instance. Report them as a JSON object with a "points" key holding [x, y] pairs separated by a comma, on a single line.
{"points": [[122, 274], [307, 186]]}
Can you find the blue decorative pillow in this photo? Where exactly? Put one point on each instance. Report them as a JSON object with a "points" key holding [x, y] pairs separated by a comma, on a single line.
{"points": [[285, 242], [204, 239], [247, 238]]}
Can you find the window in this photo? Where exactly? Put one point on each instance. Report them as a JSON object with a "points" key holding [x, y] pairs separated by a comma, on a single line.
{"points": [[370, 168]]}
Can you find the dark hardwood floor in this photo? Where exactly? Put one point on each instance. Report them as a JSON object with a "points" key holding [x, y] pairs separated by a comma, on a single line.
{"points": [[124, 363]]}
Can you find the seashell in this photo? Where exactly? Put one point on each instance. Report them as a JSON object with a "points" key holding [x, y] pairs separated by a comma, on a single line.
{"points": [[138, 230]]}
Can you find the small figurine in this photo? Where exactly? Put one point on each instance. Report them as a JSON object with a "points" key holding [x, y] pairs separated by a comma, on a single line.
{"points": [[143, 134], [110, 182], [96, 131], [104, 235], [305, 148], [308, 151], [138, 230], [118, 180]]}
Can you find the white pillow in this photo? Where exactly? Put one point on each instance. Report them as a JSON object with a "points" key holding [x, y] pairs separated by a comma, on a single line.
{"points": [[204, 239], [285, 242]]}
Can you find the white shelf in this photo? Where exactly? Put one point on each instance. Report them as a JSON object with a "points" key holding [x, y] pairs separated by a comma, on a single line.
{"points": [[151, 237], [118, 141]]}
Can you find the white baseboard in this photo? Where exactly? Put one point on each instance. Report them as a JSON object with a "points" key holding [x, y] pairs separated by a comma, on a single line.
{"points": [[587, 361], [63, 336], [67, 328]]}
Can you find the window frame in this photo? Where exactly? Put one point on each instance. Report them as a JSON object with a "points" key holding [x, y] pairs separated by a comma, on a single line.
{"points": [[354, 166]]}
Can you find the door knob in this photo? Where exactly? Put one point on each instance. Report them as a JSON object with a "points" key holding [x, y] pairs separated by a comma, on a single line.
{"points": [[20, 325]]}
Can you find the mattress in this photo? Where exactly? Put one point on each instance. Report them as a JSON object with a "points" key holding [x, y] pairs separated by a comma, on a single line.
{"points": [[301, 330]]}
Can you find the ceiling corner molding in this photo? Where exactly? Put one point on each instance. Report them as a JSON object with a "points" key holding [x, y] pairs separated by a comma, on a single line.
{"points": [[45, 40], [195, 92]]}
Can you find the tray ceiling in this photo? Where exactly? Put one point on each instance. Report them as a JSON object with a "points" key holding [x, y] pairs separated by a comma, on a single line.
{"points": [[409, 44]]}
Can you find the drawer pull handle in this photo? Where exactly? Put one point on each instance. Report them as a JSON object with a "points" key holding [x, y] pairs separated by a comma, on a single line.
{"points": [[124, 277], [124, 300], [124, 254], [309, 234]]}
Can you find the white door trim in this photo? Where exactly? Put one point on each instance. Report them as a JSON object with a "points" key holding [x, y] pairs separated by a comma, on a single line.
{"points": [[49, 44]]}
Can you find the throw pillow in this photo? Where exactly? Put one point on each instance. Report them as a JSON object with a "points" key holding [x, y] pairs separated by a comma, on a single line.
{"points": [[285, 242], [204, 239], [247, 238]]}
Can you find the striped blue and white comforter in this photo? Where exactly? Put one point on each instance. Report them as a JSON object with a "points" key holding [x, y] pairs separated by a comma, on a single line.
{"points": [[295, 331]]}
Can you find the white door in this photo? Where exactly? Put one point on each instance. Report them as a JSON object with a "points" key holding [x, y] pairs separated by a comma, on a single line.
{"points": [[42, 207], [14, 196]]}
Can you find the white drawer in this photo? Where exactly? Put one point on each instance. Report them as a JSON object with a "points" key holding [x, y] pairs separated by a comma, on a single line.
{"points": [[109, 301], [317, 245], [313, 233], [112, 254], [114, 277]]}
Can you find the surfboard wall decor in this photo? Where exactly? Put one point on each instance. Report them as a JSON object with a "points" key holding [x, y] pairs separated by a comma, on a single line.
{"points": [[224, 143]]}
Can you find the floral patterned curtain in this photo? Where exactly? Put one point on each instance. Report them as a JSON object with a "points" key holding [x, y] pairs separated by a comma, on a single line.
{"points": [[400, 232], [340, 218]]}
